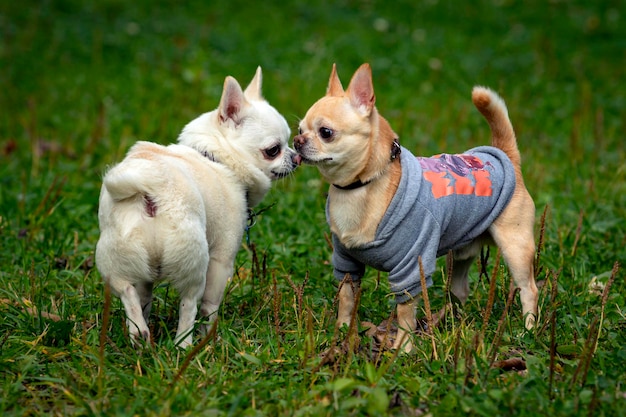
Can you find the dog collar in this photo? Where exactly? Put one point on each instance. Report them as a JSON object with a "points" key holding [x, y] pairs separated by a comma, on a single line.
{"points": [[395, 152], [352, 186], [209, 156]]}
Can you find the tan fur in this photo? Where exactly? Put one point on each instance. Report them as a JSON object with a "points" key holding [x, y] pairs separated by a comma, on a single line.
{"points": [[363, 148], [359, 150]]}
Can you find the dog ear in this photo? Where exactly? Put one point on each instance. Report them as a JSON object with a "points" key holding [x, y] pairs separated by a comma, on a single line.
{"points": [[253, 91], [232, 102], [361, 90], [334, 88]]}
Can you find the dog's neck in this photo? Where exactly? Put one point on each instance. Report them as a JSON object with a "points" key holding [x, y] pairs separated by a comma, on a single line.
{"points": [[394, 154], [254, 180], [356, 211], [217, 149]]}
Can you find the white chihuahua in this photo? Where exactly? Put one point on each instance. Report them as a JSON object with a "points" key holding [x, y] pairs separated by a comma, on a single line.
{"points": [[178, 212]]}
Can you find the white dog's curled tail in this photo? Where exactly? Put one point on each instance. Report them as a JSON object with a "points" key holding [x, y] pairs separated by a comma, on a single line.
{"points": [[493, 108], [133, 177]]}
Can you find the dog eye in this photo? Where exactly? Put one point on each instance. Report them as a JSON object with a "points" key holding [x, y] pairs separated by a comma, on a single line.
{"points": [[299, 131], [326, 133], [272, 152]]}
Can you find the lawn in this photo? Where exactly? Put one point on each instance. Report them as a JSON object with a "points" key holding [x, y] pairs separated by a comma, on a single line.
{"points": [[82, 81]]}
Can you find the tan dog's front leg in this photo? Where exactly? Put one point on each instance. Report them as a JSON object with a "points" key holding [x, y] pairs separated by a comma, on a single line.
{"points": [[347, 300], [407, 324]]}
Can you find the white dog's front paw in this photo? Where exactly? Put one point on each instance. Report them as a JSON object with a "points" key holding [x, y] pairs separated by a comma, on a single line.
{"points": [[184, 343]]}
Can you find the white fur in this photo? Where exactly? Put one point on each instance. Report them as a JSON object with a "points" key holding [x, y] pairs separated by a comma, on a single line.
{"points": [[200, 189]]}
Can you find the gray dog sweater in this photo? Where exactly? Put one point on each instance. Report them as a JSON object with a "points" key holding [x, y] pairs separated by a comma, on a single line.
{"points": [[442, 203]]}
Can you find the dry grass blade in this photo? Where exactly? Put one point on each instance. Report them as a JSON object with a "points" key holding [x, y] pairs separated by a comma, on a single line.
{"points": [[49, 200], [542, 232], [492, 296], [106, 314], [500, 329], [449, 271], [429, 315], [194, 352], [276, 309], [578, 232], [587, 355], [553, 331], [469, 361], [591, 343], [298, 291]]}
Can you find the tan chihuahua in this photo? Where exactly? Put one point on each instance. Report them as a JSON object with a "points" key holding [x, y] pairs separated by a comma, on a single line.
{"points": [[397, 213]]}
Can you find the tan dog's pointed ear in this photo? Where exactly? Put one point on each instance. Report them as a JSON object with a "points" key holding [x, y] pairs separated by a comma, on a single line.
{"points": [[253, 91], [232, 102], [361, 90], [335, 88]]}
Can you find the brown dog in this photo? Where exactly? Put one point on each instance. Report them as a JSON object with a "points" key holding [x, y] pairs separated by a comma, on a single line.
{"points": [[398, 213]]}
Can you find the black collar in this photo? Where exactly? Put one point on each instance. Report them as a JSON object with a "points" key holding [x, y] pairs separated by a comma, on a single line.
{"points": [[352, 186], [395, 152], [209, 156]]}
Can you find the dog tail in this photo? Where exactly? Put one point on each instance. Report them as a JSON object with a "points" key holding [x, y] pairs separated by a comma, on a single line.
{"points": [[131, 178], [502, 134]]}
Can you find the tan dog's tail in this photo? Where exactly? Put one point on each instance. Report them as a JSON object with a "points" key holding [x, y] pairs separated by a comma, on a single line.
{"points": [[502, 135]]}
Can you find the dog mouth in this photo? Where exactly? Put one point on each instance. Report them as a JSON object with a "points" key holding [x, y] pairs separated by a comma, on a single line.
{"points": [[280, 174], [309, 161]]}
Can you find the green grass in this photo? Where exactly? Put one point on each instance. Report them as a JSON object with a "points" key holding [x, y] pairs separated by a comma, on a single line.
{"points": [[81, 81]]}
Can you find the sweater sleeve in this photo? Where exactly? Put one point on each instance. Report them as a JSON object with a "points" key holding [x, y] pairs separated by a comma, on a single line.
{"points": [[344, 264]]}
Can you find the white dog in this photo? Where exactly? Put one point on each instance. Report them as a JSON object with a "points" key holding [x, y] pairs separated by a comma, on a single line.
{"points": [[178, 212]]}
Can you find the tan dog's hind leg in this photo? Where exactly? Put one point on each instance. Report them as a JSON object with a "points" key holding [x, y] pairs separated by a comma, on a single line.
{"points": [[459, 283], [513, 233], [513, 229], [407, 323]]}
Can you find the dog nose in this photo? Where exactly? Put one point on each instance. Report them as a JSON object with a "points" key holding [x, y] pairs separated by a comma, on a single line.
{"points": [[299, 141]]}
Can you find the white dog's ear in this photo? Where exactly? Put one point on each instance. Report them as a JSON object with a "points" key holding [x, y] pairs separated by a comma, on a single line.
{"points": [[232, 102], [361, 90], [253, 91], [334, 89]]}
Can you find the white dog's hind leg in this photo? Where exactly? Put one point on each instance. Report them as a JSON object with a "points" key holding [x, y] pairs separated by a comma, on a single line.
{"points": [[137, 326], [186, 318], [190, 286], [217, 277], [144, 290]]}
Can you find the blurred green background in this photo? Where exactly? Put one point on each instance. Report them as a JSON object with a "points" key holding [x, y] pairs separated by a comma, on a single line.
{"points": [[81, 81]]}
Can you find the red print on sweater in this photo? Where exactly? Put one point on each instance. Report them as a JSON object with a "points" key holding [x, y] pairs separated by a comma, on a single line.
{"points": [[456, 175]]}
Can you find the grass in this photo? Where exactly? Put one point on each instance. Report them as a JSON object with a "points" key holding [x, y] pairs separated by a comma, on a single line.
{"points": [[81, 81]]}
